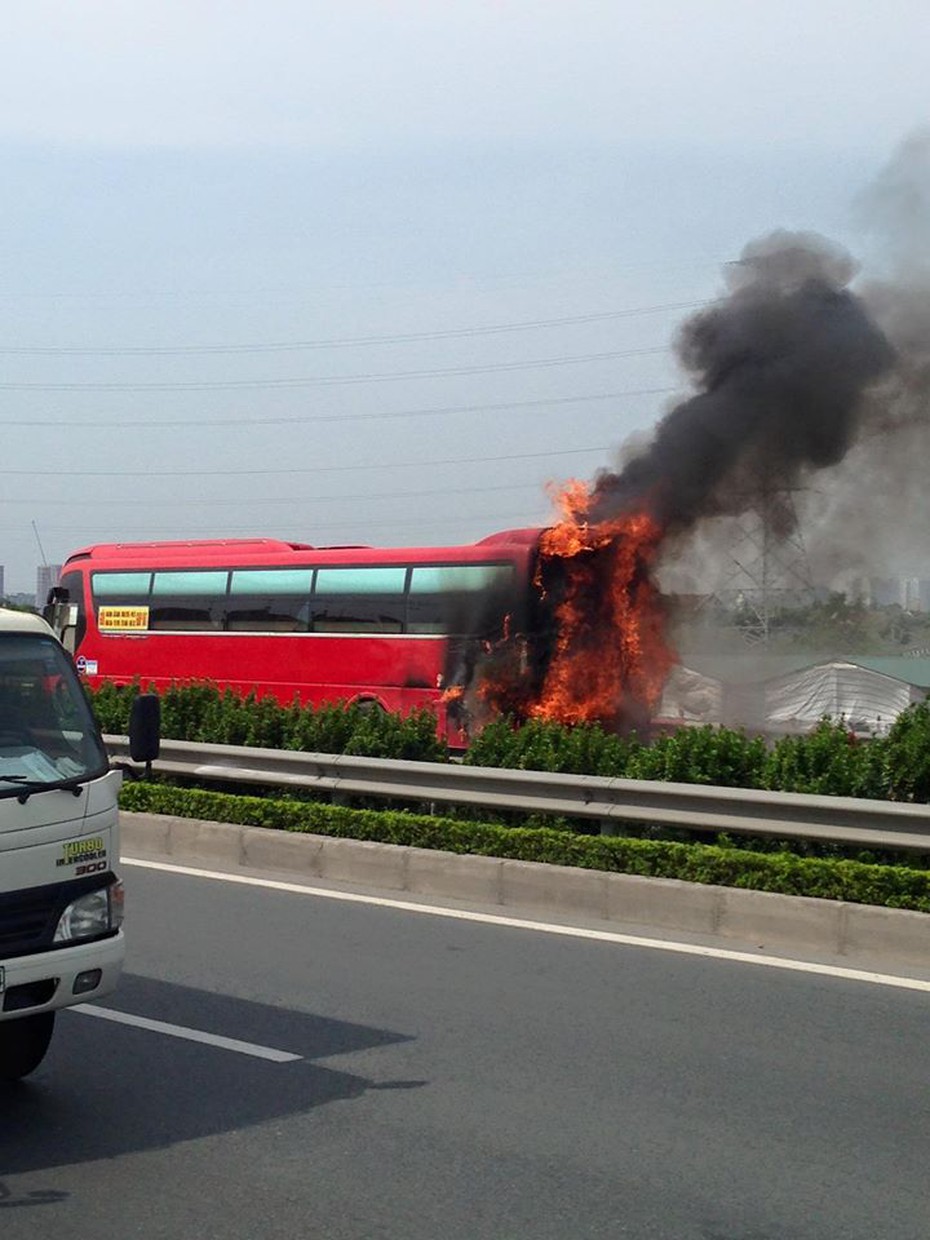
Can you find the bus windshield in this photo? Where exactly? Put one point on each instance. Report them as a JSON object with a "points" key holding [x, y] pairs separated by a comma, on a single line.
{"points": [[48, 735]]}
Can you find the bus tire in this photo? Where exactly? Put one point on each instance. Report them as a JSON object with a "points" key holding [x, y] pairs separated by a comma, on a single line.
{"points": [[23, 1044], [369, 706]]}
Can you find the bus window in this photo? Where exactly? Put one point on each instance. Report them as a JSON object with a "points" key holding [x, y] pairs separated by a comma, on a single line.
{"points": [[458, 598], [269, 600], [188, 600], [120, 589], [121, 601], [359, 600]]}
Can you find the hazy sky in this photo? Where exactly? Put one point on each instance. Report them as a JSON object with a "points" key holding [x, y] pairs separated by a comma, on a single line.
{"points": [[379, 272]]}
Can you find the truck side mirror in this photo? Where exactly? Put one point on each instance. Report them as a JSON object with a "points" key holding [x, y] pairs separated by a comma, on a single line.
{"points": [[145, 729]]}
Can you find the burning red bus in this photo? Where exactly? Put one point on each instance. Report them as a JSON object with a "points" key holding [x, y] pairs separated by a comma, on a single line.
{"points": [[397, 628], [563, 623]]}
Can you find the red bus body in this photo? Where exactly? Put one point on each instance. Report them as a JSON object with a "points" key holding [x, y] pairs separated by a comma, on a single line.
{"points": [[383, 625]]}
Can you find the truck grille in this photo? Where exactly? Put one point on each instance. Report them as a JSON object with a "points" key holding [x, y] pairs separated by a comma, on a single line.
{"points": [[28, 918]]}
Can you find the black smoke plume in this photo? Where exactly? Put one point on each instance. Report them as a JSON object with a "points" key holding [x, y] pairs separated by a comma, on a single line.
{"points": [[780, 366]]}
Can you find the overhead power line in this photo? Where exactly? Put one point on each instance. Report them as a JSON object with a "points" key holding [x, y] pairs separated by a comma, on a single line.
{"points": [[226, 385], [94, 501], [316, 469], [489, 520], [306, 418], [341, 342]]}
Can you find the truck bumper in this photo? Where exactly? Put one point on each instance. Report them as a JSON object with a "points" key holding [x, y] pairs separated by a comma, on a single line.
{"points": [[60, 978]]}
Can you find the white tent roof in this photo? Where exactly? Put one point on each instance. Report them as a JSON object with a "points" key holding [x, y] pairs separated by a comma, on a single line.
{"points": [[865, 700], [796, 696]]}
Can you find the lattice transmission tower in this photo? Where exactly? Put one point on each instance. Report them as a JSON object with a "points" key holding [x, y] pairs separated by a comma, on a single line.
{"points": [[769, 570]]}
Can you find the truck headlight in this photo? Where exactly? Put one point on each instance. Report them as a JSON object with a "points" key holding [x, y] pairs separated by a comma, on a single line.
{"points": [[95, 913]]}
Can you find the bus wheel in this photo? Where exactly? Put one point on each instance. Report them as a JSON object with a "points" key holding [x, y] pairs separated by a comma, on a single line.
{"points": [[23, 1044], [369, 706]]}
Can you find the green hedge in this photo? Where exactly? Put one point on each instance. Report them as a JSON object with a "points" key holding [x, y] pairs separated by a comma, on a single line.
{"points": [[785, 873], [209, 715], [827, 761]]}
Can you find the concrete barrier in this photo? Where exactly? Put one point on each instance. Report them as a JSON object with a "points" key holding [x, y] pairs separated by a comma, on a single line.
{"points": [[865, 936], [664, 904], [443, 876]]}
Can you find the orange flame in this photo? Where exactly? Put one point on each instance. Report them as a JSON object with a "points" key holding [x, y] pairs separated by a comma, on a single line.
{"points": [[610, 659]]}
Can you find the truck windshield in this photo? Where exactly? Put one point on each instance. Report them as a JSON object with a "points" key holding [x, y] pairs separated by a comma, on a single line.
{"points": [[48, 735]]}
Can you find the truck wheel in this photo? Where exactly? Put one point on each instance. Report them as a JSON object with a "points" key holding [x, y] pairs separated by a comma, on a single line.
{"points": [[23, 1044]]}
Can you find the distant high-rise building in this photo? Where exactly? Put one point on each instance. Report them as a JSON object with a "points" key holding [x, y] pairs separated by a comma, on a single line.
{"points": [[2, 586], [917, 594], [911, 593], [46, 576], [887, 592]]}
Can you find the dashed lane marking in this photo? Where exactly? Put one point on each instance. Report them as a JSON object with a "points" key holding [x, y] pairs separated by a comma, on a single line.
{"points": [[189, 1035]]}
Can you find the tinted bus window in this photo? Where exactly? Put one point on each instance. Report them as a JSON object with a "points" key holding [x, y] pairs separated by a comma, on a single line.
{"points": [[359, 600], [269, 600], [121, 601], [188, 600], [458, 598], [121, 588]]}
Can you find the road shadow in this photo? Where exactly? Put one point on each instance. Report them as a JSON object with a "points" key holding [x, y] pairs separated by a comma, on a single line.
{"points": [[106, 1089]]}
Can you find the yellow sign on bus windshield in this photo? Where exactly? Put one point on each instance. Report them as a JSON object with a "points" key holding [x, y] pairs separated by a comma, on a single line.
{"points": [[122, 619]]}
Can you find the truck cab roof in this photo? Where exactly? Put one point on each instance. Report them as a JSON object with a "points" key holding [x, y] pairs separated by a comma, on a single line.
{"points": [[23, 622]]}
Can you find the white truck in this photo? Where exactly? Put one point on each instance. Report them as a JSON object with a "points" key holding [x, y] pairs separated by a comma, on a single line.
{"points": [[61, 902]]}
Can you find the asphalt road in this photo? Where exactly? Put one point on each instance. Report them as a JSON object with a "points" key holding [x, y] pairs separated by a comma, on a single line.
{"points": [[453, 1080]]}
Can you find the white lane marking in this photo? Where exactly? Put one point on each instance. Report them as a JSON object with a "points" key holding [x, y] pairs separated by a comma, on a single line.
{"points": [[189, 1035], [545, 927]]}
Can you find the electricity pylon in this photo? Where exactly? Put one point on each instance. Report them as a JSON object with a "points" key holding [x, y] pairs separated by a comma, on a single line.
{"points": [[769, 567]]}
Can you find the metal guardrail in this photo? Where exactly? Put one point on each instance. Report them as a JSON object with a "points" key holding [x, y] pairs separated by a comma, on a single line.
{"points": [[839, 820]]}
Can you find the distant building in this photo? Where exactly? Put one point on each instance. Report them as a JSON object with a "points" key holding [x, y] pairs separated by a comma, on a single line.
{"points": [[887, 592], [911, 594], [46, 576], [2, 589], [915, 594]]}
